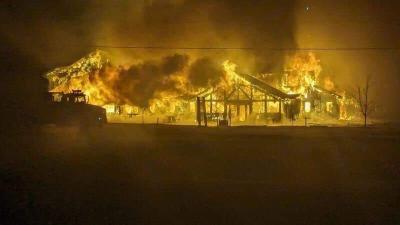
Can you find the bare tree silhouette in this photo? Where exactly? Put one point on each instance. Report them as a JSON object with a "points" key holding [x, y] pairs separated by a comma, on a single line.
{"points": [[364, 99]]}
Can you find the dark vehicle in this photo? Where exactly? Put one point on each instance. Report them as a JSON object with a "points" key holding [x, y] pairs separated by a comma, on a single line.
{"points": [[74, 109]]}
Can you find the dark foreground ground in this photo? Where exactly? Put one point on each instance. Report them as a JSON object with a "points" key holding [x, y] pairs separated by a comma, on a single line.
{"points": [[132, 174]]}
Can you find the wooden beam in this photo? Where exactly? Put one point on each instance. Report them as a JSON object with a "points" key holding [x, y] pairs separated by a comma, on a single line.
{"points": [[231, 93], [245, 93]]}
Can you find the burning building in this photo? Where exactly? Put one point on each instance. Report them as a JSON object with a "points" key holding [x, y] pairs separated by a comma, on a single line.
{"points": [[178, 88]]}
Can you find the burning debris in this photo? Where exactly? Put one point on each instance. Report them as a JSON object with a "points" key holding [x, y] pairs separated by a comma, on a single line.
{"points": [[169, 87]]}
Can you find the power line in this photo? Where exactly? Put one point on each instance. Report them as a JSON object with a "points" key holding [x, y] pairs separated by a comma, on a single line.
{"points": [[248, 48]]}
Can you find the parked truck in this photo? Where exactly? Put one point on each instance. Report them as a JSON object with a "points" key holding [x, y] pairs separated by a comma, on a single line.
{"points": [[73, 109]]}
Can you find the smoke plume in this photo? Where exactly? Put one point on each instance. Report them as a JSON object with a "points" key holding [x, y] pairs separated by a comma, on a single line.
{"points": [[140, 83], [59, 33]]}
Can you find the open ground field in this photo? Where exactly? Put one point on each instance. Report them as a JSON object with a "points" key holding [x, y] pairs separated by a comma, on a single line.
{"points": [[135, 174]]}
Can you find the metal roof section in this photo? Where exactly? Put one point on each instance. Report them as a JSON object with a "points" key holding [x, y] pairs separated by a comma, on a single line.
{"points": [[264, 87]]}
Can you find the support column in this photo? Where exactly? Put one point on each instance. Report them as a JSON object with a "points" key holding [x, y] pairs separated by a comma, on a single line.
{"points": [[265, 103], [251, 101], [230, 116], [204, 111], [245, 111], [225, 106], [198, 111], [237, 103], [211, 103], [265, 108]]}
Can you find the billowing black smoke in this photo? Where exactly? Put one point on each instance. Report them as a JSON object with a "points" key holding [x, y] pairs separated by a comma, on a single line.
{"points": [[205, 73], [141, 83], [59, 33]]}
